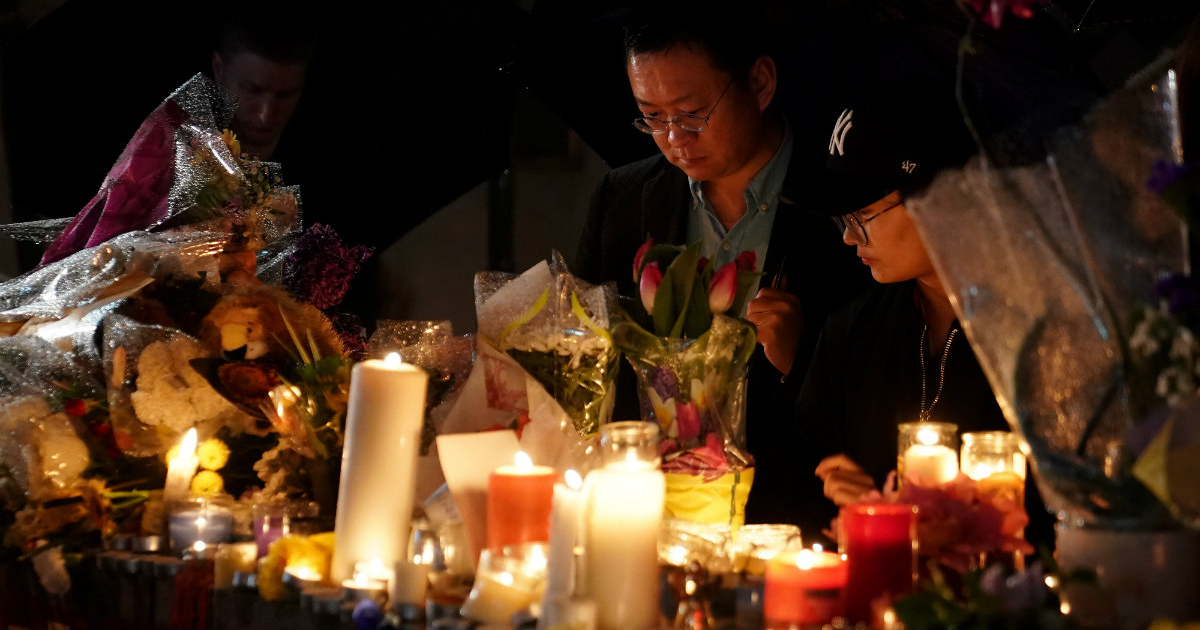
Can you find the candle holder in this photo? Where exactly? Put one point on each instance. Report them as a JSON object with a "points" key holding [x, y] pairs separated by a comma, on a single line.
{"points": [[804, 589], [506, 582], [273, 520], [197, 524], [927, 452], [986, 454], [233, 558], [754, 545], [629, 443]]}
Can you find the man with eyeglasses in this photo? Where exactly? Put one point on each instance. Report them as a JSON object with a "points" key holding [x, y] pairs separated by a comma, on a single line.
{"points": [[704, 83]]}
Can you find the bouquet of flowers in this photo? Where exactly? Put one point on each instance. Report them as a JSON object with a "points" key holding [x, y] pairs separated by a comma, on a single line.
{"points": [[690, 351], [160, 308], [545, 362]]}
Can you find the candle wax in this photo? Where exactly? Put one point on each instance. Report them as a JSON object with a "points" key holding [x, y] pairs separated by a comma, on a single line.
{"points": [[933, 464]]}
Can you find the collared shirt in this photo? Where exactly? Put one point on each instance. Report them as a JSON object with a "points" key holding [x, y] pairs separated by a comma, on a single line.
{"points": [[753, 231]]}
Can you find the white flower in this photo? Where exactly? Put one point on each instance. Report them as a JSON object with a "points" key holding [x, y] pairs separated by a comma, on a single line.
{"points": [[52, 570]]}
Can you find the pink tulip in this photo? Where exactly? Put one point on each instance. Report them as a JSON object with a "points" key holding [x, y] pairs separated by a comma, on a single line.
{"points": [[648, 287], [639, 256], [746, 261], [688, 420], [723, 288]]}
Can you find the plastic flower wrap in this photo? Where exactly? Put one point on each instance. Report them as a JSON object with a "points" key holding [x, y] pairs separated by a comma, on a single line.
{"points": [[690, 358], [545, 361], [1048, 262], [447, 358], [181, 169]]}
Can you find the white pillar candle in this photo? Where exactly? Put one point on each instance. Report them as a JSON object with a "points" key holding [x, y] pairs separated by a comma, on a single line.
{"points": [[931, 463], [623, 515], [181, 469], [379, 459], [565, 515]]}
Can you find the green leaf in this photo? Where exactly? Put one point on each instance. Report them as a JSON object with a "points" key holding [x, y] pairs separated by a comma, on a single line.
{"points": [[698, 317], [662, 253], [682, 273], [664, 307]]}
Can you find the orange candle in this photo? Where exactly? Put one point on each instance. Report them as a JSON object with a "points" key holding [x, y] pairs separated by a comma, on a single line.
{"points": [[803, 589], [518, 503]]}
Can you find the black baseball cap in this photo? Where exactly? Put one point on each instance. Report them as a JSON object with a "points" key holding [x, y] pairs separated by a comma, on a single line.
{"points": [[895, 137]]}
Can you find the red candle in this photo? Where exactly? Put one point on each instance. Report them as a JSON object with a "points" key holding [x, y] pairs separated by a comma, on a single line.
{"points": [[518, 503], [880, 543], [803, 589]]}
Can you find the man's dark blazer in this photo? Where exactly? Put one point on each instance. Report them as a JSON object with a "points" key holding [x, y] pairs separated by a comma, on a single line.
{"points": [[651, 198]]}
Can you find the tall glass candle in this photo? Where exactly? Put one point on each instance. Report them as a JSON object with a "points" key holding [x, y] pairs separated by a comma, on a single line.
{"points": [[927, 452], [379, 464], [880, 543], [803, 589], [518, 503], [624, 504]]}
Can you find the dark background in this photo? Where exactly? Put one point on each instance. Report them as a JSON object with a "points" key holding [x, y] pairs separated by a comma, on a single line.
{"points": [[410, 105]]}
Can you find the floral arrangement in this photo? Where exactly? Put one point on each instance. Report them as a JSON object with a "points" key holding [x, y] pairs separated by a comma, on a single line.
{"points": [[689, 349], [162, 309]]}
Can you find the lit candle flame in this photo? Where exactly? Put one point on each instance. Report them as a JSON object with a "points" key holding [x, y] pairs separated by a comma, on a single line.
{"points": [[804, 559], [817, 548], [392, 361], [523, 462], [928, 437], [199, 546], [574, 481], [188, 448]]}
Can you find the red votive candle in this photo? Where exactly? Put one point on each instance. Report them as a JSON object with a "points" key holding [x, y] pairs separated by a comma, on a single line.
{"points": [[880, 543], [803, 589], [518, 503]]}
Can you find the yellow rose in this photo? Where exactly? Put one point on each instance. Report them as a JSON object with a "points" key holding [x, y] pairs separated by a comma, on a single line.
{"points": [[213, 454], [207, 483]]}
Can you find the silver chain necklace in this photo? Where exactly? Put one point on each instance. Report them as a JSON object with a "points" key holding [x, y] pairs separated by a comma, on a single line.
{"points": [[927, 412]]}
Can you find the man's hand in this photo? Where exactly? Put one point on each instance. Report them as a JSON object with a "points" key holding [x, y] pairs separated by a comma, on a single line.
{"points": [[776, 314], [845, 481]]}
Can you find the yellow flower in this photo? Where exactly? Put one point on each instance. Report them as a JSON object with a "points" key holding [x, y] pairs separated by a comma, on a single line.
{"points": [[231, 141], [213, 454], [312, 553], [207, 483]]}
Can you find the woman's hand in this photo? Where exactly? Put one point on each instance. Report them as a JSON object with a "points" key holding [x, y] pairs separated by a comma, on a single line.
{"points": [[845, 481]]}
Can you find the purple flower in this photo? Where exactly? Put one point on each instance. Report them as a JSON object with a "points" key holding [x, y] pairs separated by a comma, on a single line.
{"points": [[1164, 173], [320, 269], [1180, 293], [1018, 593], [662, 379]]}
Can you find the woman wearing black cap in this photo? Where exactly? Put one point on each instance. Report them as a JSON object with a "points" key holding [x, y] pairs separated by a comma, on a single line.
{"points": [[897, 354]]}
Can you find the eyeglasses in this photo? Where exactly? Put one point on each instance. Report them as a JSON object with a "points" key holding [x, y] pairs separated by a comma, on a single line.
{"points": [[686, 122], [857, 226]]}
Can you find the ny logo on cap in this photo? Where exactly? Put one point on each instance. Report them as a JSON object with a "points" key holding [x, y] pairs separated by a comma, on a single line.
{"points": [[838, 139]]}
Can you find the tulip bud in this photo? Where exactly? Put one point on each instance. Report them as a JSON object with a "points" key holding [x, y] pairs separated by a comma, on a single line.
{"points": [[723, 288], [639, 256], [687, 417], [648, 287], [746, 260]]}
